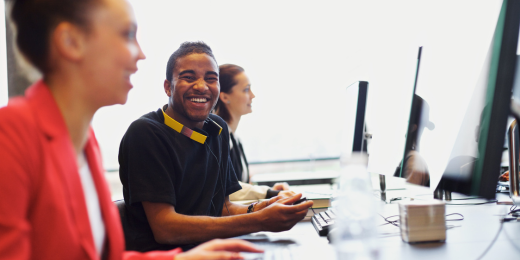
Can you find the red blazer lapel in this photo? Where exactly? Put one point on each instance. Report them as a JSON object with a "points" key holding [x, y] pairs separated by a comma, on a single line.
{"points": [[63, 155], [114, 231], [62, 152]]}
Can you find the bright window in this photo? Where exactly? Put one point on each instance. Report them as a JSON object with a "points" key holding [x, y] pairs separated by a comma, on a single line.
{"points": [[301, 56]]}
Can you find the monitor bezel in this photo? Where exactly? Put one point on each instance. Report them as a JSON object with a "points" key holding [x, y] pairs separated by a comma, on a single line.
{"points": [[484, 177], [359, 143]]}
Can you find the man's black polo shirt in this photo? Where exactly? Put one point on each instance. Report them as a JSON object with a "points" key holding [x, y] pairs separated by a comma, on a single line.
{"points": [[159, 164]]}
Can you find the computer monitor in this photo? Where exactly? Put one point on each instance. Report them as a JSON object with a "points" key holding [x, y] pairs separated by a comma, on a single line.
{"points": [[474, 163], [513, 134], [412, 166], [353, 134]]}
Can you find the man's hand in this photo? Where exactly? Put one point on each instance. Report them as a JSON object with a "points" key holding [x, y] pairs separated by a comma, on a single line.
{"points": [[286, 200], [279, 214], [219, 249], [281, 186]]}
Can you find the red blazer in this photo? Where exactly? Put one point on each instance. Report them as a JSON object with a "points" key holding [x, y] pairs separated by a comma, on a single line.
{"points": [[43, 214]]}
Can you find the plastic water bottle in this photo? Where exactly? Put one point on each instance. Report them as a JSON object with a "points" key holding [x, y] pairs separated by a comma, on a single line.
{"points": [[355, 234]]}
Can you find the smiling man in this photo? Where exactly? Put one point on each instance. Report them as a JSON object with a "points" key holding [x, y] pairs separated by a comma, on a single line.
{"points": [[176, 170]]}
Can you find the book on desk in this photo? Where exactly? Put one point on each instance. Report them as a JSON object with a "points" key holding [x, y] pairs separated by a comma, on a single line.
{"points": [[318, 202], [321, 203]]}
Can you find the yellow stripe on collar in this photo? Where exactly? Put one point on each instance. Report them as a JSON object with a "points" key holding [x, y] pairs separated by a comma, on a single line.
{"points": [[180, 128], [219, 131]]}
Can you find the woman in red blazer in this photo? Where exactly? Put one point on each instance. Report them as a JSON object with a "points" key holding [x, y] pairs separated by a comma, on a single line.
{"points": [[49, 156]]}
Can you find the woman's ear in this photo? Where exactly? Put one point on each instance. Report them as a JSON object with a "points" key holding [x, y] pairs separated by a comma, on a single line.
{"points": [[224, 97], [69, 41]]}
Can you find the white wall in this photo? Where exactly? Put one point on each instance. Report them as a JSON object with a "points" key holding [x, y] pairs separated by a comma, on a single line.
{"points": [[300, 57]]}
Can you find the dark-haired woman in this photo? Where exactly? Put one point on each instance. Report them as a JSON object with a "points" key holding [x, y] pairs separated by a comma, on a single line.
{"points": [[235, 101], [55, 203]]}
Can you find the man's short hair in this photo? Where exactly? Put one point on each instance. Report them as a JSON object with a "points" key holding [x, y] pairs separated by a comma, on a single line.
{"points": [[186, 49]]}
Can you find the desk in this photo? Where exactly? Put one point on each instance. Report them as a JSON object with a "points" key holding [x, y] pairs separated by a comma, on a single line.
{"points": [[296, 178], [319, 177], [466, 241]]}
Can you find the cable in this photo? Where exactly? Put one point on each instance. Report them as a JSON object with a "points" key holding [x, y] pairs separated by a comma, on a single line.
{"points": [[511, 240], [471, 204], [451, 226], [456, 219], [396, 199], [468, 198], [396, 222], [221, 182], [392, 222], [494, 240]]}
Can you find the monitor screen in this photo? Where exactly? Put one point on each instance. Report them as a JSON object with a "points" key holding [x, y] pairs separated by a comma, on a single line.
{"points": [[473, 165], [353, 125], [413, 167]]}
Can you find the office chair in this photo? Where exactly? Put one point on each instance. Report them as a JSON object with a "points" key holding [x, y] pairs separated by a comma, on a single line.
{"points": [[121, 206]]}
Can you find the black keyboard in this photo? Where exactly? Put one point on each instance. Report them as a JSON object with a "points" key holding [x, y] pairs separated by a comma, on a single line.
{"points": [[323, 221]]}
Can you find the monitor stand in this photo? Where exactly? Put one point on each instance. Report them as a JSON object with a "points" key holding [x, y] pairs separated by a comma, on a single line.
{"points": [[382, 185], [441, 194]]}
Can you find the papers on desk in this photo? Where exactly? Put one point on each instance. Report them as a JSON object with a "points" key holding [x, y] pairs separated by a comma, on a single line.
{"points": [[321, 199], [320, 202], [245, 202], [422, 221]]}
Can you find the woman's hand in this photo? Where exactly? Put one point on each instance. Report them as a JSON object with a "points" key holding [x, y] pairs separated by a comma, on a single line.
{"points": [[286, 193], [281, 186], [219, 249], [504, 177]]}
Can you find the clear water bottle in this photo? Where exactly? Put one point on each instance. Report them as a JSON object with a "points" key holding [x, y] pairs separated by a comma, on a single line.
{"points": [[355, 234]]}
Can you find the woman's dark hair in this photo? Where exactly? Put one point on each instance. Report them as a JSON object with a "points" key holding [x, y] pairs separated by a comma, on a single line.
{"points": [[227, 73], [36, 19]]}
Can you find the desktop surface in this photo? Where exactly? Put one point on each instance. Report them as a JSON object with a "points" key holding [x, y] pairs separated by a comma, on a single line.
{"points": [[310, 178], [466, 239], [296, 177]]}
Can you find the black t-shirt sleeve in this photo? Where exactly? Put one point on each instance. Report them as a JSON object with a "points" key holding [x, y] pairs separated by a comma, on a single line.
{"points": [[232, 181], [146, 167]]}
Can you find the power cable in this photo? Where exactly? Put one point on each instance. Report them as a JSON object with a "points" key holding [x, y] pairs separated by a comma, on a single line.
{"points": [[494, 240]]}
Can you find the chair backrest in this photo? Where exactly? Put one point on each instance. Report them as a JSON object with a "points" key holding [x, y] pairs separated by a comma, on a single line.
{"points": [[121, 206]]}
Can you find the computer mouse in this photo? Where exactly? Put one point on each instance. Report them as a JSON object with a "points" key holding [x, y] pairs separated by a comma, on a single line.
{"points": [[302, 199]]}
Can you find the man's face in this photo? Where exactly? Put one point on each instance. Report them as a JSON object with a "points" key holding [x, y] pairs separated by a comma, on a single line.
{"points": [[195, 87]]}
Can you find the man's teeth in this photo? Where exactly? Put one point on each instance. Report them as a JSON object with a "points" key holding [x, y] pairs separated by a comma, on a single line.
{"points": [[199, 100]]}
